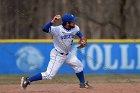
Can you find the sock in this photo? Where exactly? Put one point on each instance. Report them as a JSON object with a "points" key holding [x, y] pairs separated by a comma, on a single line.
{"points": [[35, 77], [81, 77]]}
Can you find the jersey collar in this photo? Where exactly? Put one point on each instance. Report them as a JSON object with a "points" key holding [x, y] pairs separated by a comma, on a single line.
{"points": [[68, 29]]}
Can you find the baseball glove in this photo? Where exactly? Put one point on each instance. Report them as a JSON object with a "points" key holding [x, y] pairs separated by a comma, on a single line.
{"points": [[82, 42]]}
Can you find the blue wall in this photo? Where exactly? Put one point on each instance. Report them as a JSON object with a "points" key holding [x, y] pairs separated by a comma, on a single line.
{"points": [[98, 58]]}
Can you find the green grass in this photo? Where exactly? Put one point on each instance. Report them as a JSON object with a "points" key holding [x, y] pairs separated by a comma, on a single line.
{"points": [[135, 78]]}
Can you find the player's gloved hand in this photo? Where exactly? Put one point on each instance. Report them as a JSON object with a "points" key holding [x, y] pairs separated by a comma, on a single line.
{"points": [[56, 19], [82, 42]]}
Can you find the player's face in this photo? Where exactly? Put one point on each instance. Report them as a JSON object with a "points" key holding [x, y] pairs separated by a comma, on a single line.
{"points": [[72, 24]]}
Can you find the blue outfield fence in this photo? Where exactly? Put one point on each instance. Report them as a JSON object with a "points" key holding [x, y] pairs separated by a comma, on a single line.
{"points": [[99, 57]]}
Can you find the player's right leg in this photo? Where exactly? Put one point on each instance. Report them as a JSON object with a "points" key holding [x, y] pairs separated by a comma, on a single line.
{"points": [[76, 64], [56, 60]]}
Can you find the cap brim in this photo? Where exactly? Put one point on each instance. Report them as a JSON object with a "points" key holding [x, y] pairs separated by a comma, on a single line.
{"points": [[75, 19]]}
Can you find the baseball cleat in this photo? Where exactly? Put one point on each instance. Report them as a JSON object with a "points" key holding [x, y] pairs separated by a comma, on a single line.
{"points": [[82, 85], [24, 83], [85, 85]]}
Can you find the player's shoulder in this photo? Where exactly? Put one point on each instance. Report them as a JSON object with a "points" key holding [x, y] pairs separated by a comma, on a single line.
{"points": [[76, 28], [56, 27]]}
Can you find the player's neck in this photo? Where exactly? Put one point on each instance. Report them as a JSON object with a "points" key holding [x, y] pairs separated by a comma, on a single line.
{"points": [[67, 27]]}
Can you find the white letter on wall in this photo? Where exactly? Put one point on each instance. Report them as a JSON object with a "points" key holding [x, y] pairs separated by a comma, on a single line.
{"points": [[92, 63], [138, 56], [124, 58], [108, 57]]}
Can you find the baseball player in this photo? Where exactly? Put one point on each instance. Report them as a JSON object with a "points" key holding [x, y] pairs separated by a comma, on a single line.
{"points": [[63, 36]]}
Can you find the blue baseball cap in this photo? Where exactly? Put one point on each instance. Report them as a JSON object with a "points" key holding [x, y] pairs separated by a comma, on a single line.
{"points": [[69, 18]]}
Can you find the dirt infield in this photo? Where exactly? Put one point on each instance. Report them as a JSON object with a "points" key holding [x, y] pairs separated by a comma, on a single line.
{"points": [[69, 84], [73, 88]]}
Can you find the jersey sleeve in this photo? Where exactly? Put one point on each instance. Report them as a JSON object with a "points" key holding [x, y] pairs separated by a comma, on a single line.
{"points": [[53, 30], [76, 29], [79, 34], [46, 28]]}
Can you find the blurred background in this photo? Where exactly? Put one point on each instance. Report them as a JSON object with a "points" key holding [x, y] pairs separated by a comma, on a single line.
{"points": [[111, 26], [98, 19]]}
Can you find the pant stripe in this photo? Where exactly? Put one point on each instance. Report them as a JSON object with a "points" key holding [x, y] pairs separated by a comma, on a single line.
{"points": [[52, 66]]}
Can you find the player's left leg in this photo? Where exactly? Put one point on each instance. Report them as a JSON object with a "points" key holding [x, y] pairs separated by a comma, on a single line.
{"points": [[76, 64], [56, 60]]}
